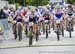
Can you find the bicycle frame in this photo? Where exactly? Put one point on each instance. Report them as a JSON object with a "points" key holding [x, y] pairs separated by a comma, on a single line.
{"points": [[31, 33]]}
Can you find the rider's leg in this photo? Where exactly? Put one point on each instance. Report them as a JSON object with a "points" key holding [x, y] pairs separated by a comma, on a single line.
{"points": [[49, 26], [66, 21], [55, 25], [34, 28]]}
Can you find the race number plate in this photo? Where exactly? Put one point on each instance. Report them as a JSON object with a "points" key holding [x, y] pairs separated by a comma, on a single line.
{"points": [[31, 23], [46, 21]]}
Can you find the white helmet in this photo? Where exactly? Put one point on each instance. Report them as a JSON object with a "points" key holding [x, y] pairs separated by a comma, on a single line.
{"points": [[58, 6], [39, 7]]}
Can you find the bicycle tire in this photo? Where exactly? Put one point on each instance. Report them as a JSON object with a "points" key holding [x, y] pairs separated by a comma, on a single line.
{"points": [[15, 32], [58, 38], [26, 30], [43, 27], [30, 40], [62, 31], [37, 36], [30, 37], [70, 30], [46, 32], [58, 33], [20, 32]]}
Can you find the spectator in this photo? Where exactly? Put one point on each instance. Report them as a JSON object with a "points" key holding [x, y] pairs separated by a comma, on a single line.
{"points": [[2, 14]]}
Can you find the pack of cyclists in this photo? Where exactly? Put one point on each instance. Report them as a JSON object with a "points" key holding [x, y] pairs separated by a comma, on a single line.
{"points": [[41, 14]]}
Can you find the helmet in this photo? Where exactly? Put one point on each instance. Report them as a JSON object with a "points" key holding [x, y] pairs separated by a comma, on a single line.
{"points": [[43, 7], [57, 6], [47, 5], [39, 7]]}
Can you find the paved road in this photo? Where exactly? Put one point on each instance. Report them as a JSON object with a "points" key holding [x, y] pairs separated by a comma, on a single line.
{"points": [[66, 45], [40, 50], [9, 42]]}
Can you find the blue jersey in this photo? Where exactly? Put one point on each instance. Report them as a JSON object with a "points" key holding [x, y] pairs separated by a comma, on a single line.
{"points": [[58, 15]]}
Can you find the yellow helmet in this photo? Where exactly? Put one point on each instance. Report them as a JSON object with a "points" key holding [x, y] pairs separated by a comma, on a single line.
{"points": [[47, 5]]}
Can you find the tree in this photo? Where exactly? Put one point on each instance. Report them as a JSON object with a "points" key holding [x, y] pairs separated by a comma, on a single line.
{"points": [[40, 2], [30, 2], [71, 1], [11, 1]]}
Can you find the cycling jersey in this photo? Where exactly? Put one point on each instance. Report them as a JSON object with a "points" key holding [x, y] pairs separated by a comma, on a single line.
{"points": [[58, 16], [18, 18], [46, 17], [40, 12], [32, 19], [70, 13], [37, 16], [12, 14], [28, 14]]}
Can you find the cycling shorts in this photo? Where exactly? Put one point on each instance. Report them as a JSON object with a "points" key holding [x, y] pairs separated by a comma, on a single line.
{"points": [[19, 20], [32, 20]]}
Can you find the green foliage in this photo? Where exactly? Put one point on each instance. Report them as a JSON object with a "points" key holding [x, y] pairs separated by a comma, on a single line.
{"points": [[17, 5], [71, 1], [11, 1], [39, 2], [74, 3], [30, 2]]}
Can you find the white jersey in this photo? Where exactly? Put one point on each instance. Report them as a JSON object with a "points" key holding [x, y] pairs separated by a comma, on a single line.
{"points": [[58, 17], [12, 14], [28, 15], [39, 12]]}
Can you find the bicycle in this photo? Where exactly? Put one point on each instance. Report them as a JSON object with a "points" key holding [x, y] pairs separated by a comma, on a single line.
{"points": [[26, 28], [46, 23], [19, 31], [31, 33], [14, 30], [70, 27], [58, 32], [43, 26], [37, 36], [62, 29]]}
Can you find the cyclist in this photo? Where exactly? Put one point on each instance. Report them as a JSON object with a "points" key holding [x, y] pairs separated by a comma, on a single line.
{"points": [[40, 14], [12, 15], [32, 23], [58, 17], [19, 20], [26, 19], [70, 13], [47, 16], [32, 18]]}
